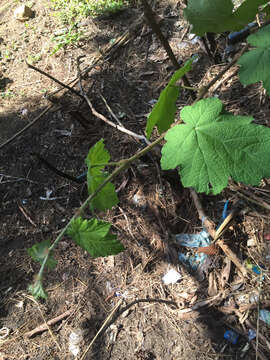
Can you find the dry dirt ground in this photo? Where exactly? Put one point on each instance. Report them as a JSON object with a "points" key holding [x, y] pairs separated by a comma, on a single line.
{"points": [[152, 205]]}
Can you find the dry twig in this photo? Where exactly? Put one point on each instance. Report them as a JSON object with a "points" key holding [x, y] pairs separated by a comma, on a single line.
{"points": [[44, 327]]}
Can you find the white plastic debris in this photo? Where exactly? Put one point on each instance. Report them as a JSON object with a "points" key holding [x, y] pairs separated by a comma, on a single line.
{"points": [[139, 200], [193, 38], [75, 339], [48, 196], [4, 332], [19, 304], [24, 112], [171, 277]]}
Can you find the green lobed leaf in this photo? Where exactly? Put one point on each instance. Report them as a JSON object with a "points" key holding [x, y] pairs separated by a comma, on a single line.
{"points": [[213, 145], [39, 251], [255, 63], [96, 158], [164, 110], [37, 290], [218, 16], [94, 236]]}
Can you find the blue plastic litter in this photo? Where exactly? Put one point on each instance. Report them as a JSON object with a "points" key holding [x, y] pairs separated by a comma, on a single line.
{"points": [[195, 262], [225, 210], [238, 36], [256, 269], [264, 315], [231, 336], [251, 334], [193, 241]]}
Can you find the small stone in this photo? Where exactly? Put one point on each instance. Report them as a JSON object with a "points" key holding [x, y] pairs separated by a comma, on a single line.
{"points": [[23, 13]]}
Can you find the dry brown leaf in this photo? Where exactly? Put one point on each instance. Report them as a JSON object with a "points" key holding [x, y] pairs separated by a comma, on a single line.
{"points": [[208, 250], [225, 273], [212, 287]]}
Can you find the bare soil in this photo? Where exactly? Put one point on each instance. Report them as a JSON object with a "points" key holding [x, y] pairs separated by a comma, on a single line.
{"points": [[129, 77]]}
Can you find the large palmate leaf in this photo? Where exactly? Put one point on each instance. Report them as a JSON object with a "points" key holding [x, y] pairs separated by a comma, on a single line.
{"points": [[213, 145], [255, 63], [94, 236], [96, 160], [218, 16], [164, 110]]}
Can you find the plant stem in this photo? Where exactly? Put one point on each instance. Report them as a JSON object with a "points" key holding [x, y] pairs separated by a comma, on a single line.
{"points": [[190, 88], [117, 163], [125, 164]]}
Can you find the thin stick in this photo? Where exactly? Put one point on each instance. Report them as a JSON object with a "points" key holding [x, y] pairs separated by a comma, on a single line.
{"points": [[44, 327], [107, 121], [119, 122], [102, 327], [222, 81], [110, 110], [250, 197], [26, 127], [205, 89], [103, 118], [57, 171], [47, 325], [231, 255], [26, 215], [258, 315], [161, 301], [209, 53], [54, 79]]}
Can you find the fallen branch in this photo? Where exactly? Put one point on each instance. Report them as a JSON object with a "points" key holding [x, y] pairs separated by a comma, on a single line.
{"points": [[107, 121], [44, 327], [54, 79]]}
